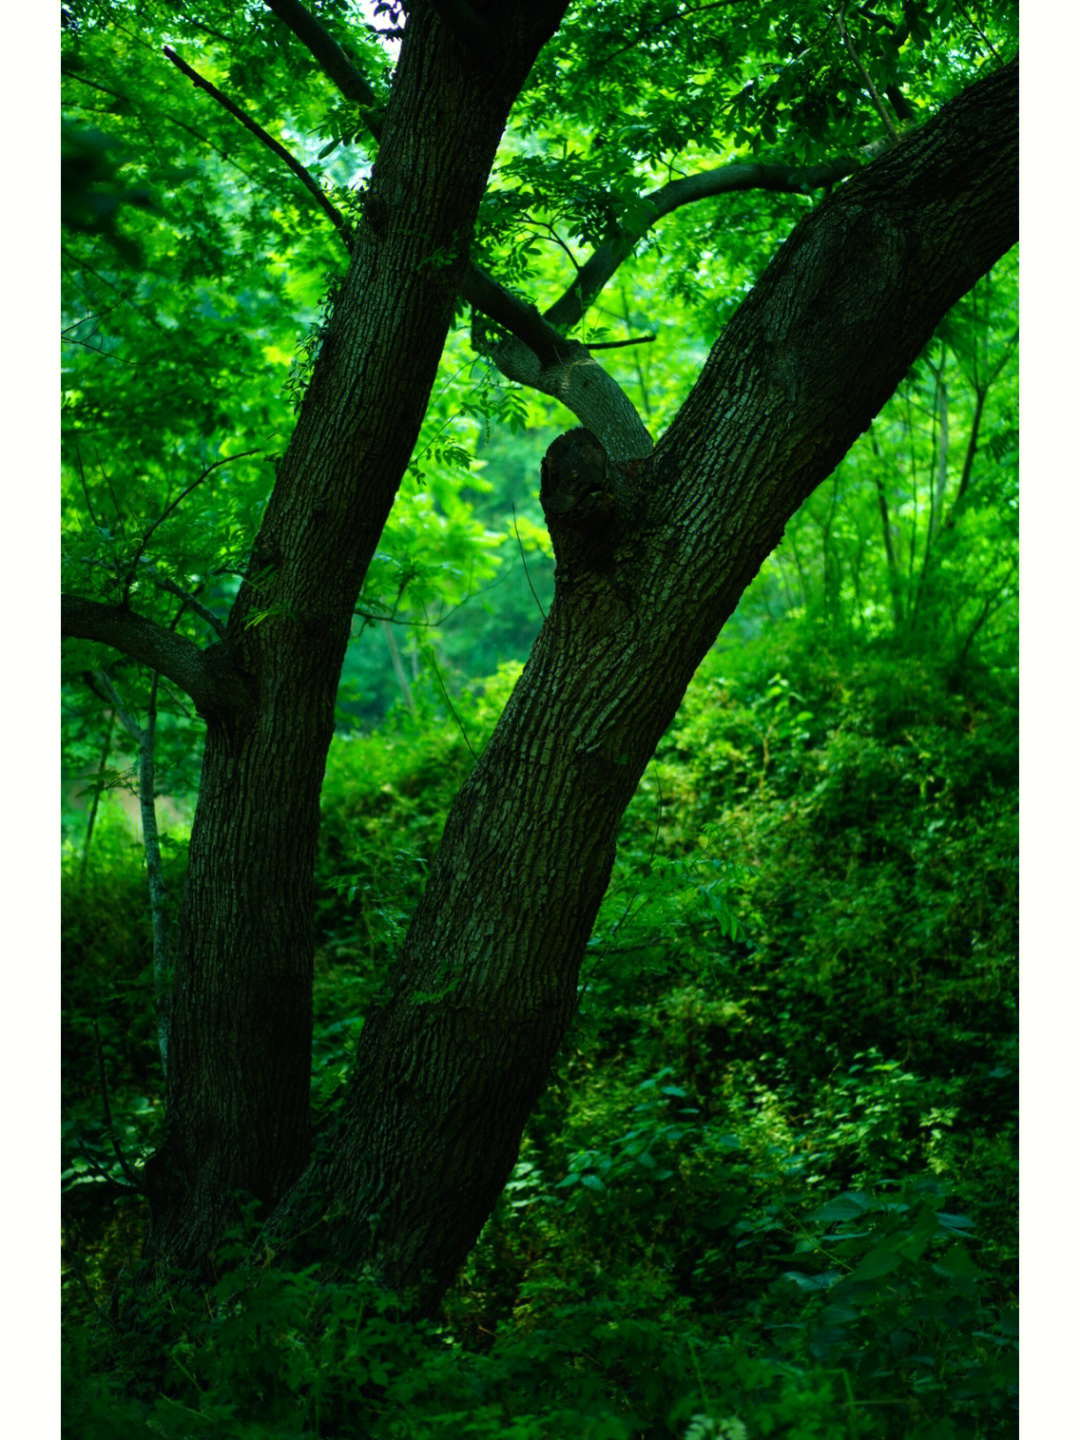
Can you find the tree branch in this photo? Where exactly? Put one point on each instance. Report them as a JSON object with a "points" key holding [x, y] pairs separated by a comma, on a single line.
{"points": [[535, 354], [740, 175], [864, 74], [163, 582], [524, 321], [594, 396], [331, 56], [337, 219], [209, 676], [553, 366]]}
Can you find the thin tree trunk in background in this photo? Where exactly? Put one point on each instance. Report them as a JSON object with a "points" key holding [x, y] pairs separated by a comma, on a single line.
{"points": [[896, 589], [95, 801], [398, 667], [155, 876], [938, 483], [969, 459]]}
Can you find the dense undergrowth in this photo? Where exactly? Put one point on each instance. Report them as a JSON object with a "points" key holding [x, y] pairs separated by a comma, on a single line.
{"points": [[771, 1188]]}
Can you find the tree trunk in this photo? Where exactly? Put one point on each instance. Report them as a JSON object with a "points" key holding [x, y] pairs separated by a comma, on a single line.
{"points": [[448, 1071], [237, 1101]]}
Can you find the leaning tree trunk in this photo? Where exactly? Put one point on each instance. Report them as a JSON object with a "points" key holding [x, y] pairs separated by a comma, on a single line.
{"points": [[652, 561], [237, 1102]]}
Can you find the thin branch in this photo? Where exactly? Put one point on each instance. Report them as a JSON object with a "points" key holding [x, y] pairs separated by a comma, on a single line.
{"points": [[337, 219], [85, 487], [75, 1260], [969, 459], [91, 819], [450, 703], [646, 31], [618, 344], [740, 175], [67, 329], [638, 366], [554, 238], [97, 350], [425, 624], [163, 582], [112, 495], [155, 874], [107, 693], [140, 310], [525, 565], [878, 103], [981, 33], [993, 601], [228, 459]]}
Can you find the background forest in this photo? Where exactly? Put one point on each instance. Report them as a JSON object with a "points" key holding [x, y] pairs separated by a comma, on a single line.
{"points": [[771, 1187]]}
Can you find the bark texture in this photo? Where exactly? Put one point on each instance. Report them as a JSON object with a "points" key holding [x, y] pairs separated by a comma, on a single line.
{"points": [[237, 1104], [448, 1071]]}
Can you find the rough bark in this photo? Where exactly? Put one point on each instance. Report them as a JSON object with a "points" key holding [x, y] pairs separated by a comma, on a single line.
{"points": [[448, 1071], [237, 1103]]}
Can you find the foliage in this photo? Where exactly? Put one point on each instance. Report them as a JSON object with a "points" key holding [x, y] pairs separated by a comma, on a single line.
{"points": [[771, 1187], [773, 1181]]}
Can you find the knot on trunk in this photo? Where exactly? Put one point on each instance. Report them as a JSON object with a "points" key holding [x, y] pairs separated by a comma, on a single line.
{"points": [[584, 497]]}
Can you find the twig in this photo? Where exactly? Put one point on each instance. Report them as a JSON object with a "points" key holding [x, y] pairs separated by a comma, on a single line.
{"points": [[425, 623], [878, 103], [337, 219], [85, 487], [525, 564], [112, 496], [450, 703], [163, 582], [140, 310], [228, 459], [981, 33]]}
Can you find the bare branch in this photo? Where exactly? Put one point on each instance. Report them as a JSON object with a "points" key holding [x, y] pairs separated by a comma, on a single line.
{"points": [[129, 1174], [525, 567], [99, 682], [337, 219]]}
